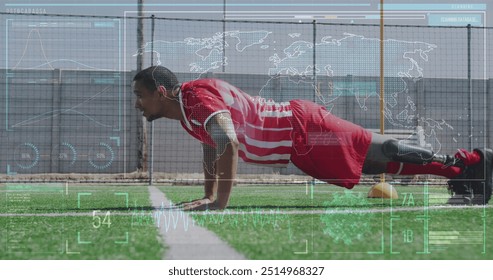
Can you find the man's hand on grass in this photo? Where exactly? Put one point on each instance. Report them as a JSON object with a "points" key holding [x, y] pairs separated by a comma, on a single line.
{"points": [[201, 204]]}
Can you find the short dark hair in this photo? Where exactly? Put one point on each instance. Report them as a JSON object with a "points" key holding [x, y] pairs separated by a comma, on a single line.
{"points": [[156, 76]]}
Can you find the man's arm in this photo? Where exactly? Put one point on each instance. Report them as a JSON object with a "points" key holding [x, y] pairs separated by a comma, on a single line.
{"points": [[220, 172], [210, 184], [222, 131], [209, 165]]}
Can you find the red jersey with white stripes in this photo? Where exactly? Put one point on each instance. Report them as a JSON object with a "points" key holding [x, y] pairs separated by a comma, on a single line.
{"points": [[320, 144], [263, 127]]}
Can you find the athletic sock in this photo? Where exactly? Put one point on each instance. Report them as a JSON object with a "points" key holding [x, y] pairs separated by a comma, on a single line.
{"points": [[468, 158], [434, 168]]}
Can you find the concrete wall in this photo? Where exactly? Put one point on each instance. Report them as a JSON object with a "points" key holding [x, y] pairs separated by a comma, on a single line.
{"points": [[85, 121]]}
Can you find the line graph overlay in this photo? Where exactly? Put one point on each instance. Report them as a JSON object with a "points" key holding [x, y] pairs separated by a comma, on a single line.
{"points": [[69, 44], [65, 99], [46, 57]]}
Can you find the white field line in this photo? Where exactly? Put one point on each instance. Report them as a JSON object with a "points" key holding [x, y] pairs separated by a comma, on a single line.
{"points": [[187, 242], [160, 210]]}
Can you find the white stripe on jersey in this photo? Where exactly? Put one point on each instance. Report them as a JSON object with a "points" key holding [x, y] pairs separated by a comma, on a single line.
{"points": [[212, 115], [269, 164], [268, 145], [271, 102], [270, 157], [269, 129], [276, 114]]}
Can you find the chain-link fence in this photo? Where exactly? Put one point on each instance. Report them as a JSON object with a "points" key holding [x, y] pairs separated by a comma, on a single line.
{"points": [[69, 109]]}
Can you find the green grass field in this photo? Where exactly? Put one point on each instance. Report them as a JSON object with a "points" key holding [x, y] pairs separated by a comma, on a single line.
{"points": [[81, 222], [54, 221]]}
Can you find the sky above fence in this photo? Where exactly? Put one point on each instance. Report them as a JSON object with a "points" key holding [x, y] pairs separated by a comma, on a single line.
{"points": [[420, 12], [342, 45]]}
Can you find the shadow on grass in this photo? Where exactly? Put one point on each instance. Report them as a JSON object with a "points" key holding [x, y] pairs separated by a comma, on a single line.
{"points": [[304, 207], [122, 209], [233, 208]]}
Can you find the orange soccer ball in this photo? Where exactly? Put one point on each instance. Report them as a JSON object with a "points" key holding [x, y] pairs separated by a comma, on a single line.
{"points": [[383, 190]]}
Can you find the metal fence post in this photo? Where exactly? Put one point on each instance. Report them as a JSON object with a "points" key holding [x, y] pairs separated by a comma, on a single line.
{"points": [[56, 103], [314, 61], [469, 81], [151, 136], [489, 115], [224, 38], [141, 122]]}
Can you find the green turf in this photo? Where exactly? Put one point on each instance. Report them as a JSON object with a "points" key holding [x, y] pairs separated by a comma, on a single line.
{"points": [[262, 222], [287, 222], [77, 238], [86, 222], [54, 198]]}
